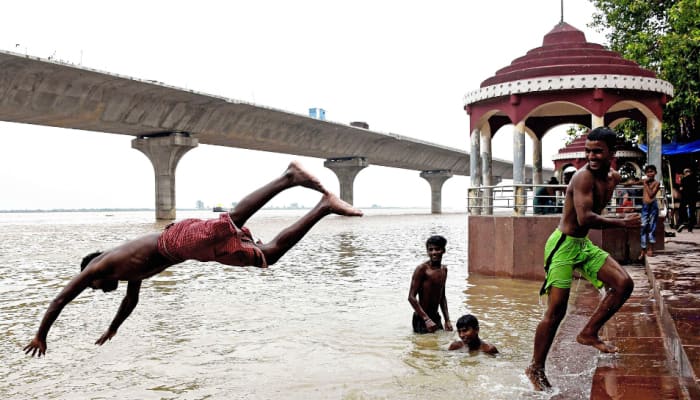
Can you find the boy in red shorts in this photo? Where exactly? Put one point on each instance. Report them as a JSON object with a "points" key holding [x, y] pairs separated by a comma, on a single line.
{"points": [[223, 239]]}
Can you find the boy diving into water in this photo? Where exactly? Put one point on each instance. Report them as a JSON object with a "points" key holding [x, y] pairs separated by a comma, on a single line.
{"points": [[222, 239]]}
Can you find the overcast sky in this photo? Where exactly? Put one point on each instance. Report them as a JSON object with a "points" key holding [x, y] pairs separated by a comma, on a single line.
{"points": [[401, 66]]}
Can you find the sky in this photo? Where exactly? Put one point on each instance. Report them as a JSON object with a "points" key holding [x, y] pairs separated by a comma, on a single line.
{"points": [[401, 66]]}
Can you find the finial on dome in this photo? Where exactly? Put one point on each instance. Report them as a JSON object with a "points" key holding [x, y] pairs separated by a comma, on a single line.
{"points": [[562, 11]]}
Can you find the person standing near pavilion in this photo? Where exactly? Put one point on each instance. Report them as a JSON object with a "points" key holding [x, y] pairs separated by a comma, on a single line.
{"points": [[689, 197], [569, 248], [650, 212]]}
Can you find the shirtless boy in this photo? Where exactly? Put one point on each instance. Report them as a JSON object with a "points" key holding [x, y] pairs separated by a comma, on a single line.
{"points": [[222, 239], [568, 247], [427, 291], [468, 331], [650, 212]]}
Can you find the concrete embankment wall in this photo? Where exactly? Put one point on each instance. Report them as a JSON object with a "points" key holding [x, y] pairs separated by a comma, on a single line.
{"points": [[513, 246]]}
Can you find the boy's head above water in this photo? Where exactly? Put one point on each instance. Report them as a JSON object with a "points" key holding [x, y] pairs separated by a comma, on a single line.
{"points": [[436, 240], [468, 321], [468, 328], [468, 331]]}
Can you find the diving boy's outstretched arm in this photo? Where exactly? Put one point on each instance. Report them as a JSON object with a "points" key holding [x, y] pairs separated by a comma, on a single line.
{"points": [[131, 299], [76, 286]]}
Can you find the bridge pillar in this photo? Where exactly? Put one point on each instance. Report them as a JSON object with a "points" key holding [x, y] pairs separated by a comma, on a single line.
{"points": [[436, 179], [165, 152], [346, 169]]}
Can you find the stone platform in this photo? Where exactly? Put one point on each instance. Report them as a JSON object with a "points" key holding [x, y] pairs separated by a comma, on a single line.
{"points": [[657, 331]]}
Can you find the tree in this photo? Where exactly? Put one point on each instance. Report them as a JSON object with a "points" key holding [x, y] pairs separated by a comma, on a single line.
{"points": [[663, 36]]}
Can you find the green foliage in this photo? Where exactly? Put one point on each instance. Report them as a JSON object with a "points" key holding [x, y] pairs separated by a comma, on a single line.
{"points": [[663, 36], [631, 130], [573, 132]]}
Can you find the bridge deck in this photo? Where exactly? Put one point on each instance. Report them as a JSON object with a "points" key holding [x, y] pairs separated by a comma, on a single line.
{"points": [[51, 93]]}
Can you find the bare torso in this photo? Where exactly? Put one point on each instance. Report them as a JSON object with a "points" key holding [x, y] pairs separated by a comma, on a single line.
{"points": [[134, 260], [588, 188], [431, 287], [650, 190]]}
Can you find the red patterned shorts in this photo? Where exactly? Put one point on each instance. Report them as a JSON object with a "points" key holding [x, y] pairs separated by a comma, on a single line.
{"points": [[216, 239]]}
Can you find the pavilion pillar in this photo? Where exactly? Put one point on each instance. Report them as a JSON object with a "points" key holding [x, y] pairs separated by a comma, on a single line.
{"points": [[165, 152], [537, 161], [436, 179], [654, 138], [519, 168], [486, 173], [597, 121], [346, 169], [474, 206]]}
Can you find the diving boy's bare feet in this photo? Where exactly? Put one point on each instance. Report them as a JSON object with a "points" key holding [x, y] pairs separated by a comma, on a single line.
{"points": [[596, 342], [538, 378], [300, 176], [641, 255], [338, 206]]}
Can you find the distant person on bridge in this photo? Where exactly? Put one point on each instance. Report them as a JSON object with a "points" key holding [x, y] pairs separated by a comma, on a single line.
{"points": [[568, 247], [222, 239]]}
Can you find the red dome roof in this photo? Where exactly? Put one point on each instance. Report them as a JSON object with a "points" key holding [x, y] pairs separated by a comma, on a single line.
{"points": [[564, 51]]}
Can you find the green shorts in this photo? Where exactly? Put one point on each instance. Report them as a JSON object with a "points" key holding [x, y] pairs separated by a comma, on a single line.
{"points": [[571, 253]]}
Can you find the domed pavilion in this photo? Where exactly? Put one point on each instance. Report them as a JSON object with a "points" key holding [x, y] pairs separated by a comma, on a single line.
{"points": [[567, 80]]}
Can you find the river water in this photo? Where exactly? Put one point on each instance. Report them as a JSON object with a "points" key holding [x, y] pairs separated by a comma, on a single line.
{"points": [[330, 320]]}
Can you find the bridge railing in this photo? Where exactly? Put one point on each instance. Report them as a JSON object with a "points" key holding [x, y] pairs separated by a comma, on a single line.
{"points": [[543, 199]]}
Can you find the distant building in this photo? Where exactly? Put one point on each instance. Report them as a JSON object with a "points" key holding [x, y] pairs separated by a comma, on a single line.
{"points": [[318, 113]]}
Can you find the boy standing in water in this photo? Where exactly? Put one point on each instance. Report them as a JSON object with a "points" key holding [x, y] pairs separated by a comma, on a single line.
{"points": [[650, 211], [468, 331], [427, 291], [568, 247]]}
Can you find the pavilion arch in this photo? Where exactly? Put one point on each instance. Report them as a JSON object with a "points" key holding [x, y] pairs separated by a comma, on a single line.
{"points": [[552, 114], [491, 121], [628, 105], [632, 110]]}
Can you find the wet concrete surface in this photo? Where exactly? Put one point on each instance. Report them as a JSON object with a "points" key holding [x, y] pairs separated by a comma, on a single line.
{"points": [[675, 280], [657, 332]]}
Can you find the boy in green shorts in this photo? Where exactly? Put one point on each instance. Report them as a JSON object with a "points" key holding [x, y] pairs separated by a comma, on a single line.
{"points": [[569, 248]]}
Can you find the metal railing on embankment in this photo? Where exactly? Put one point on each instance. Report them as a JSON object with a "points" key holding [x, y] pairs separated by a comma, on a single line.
{"points": [[542, 199]]}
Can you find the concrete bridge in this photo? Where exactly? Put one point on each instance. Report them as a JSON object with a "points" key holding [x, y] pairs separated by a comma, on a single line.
{"points": [[169, 121]]}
